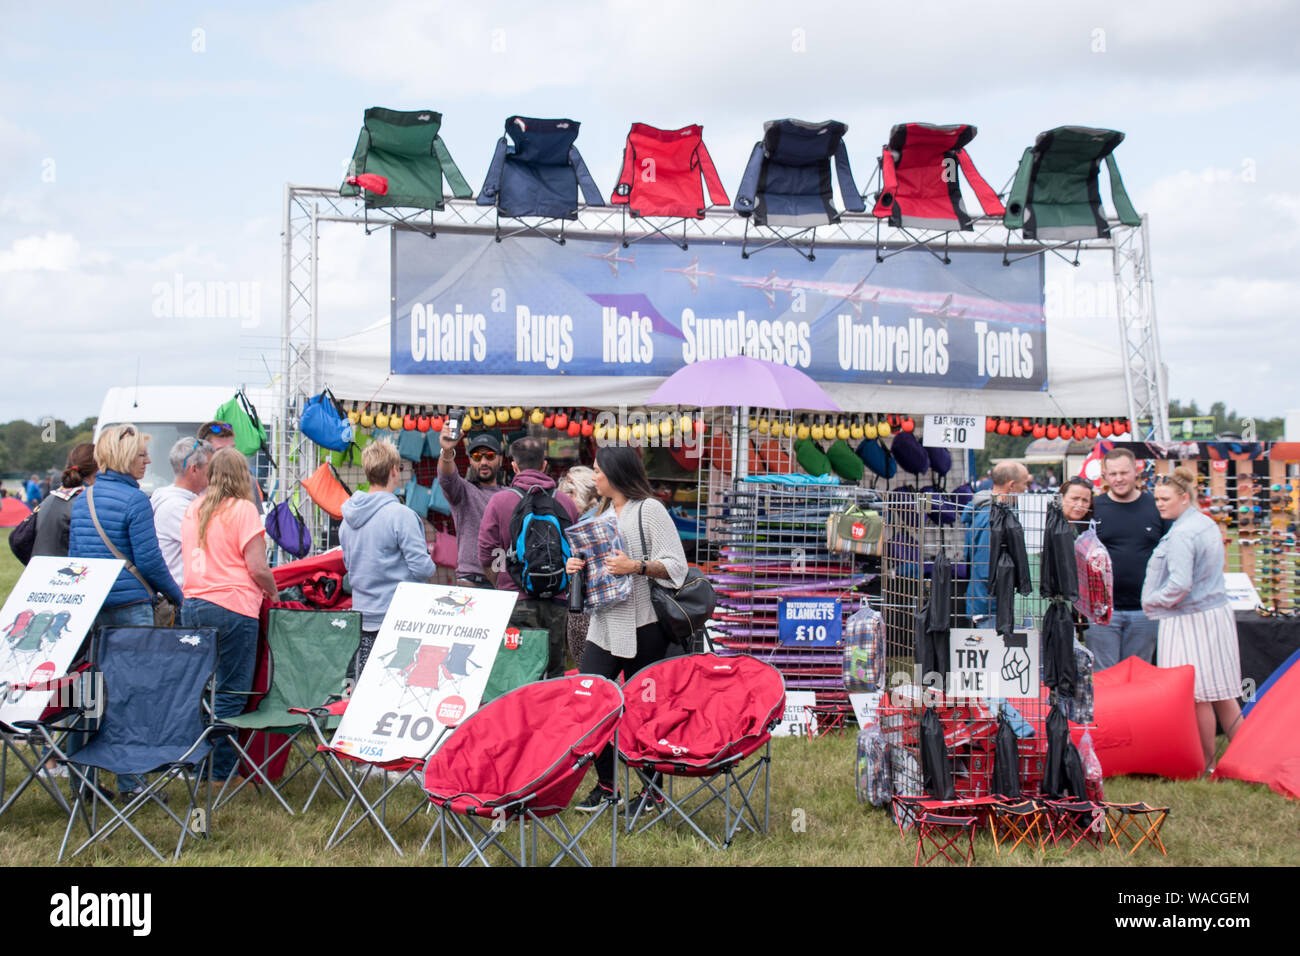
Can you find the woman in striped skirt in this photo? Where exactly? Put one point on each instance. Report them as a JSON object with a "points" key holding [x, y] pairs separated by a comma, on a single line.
{"points": [[1184, 591]]}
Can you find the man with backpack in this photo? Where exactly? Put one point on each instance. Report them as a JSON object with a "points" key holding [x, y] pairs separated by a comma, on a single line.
{"points": [[521, 546]]}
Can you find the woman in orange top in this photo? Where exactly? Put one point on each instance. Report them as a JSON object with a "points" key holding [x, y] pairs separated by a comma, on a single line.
{"points": [[226, 577]]}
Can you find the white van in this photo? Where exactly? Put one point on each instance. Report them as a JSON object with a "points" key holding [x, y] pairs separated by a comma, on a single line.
{"points": [[168, 412]]}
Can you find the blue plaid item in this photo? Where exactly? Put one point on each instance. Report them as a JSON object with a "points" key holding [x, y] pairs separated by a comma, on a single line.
{"points": [[864, 650], [595, 539]]}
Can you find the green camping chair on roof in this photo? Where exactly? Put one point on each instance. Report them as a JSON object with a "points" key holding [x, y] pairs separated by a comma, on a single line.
{"points": [[1055, 196], [400, 161], [310, 653]]}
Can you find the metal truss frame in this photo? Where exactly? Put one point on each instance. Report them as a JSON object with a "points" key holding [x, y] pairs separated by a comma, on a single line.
{"points": [[305, 207]]}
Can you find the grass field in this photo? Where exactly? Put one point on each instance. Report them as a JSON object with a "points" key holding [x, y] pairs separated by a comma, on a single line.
{"points": [[815, 821]]}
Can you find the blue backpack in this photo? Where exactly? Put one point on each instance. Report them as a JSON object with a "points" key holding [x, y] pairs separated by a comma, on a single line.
{"points": [[538, 546], [324, 422]]}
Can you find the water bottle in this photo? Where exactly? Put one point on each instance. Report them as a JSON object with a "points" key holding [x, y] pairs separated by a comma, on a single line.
{"points": [[577, 591]]}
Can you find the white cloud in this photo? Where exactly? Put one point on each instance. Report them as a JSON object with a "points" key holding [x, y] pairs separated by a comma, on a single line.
{"points": [[53, 252]]}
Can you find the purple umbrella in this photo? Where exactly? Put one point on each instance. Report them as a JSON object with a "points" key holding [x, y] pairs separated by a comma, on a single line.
{"points": [[738, 381]]}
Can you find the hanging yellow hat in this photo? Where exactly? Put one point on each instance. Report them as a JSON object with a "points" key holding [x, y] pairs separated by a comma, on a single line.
{"points": [[884, 428], [623, 433], [788, 429], [536, 417], [818, 431], [665, 427], [841, 430], [855, 430], [803, 431], [869, 429], [516, 413], [489, 419], [764, 426], [599, 431], [367, 418]]}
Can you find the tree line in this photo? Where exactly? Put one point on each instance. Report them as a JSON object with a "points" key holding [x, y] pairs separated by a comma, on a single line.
{"points": [[27, 448]]}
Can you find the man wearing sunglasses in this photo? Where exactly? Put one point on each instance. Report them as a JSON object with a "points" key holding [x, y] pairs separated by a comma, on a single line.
{"points": [[189, 460], [217, 434], [468, 497]]}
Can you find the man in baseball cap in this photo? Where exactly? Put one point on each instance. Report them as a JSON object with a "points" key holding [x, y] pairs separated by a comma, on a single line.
{"points": [[468, 497]]}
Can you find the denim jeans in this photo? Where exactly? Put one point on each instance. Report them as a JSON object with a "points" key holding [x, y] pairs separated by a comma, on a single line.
{"points": [[236, 666], [1129, 634], [139, 614]]}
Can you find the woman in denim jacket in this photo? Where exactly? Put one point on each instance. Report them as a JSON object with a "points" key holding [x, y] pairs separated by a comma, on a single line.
{"points": [[1184, 591]]}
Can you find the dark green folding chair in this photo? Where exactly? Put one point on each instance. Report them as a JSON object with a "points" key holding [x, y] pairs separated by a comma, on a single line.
{"points": [[310, 652], [1055, 196], [400, 161], [515, 667]]}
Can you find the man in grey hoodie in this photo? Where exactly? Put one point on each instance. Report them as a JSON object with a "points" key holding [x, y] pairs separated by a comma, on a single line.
{"points": [[383, 544], [189, 460]]}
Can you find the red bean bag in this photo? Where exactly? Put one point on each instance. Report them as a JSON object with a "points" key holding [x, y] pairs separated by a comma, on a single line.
{"points": [[1145, 721], [1267, 747]]}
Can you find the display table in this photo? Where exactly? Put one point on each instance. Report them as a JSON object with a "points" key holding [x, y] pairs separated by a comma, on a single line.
{"points": [[1265, 642]]}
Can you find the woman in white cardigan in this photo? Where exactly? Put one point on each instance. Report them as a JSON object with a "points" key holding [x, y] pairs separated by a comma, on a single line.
{"points": [[626, 636]]}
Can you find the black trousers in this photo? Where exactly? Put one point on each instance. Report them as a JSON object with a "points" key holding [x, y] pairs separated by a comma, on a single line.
{"points": [[651, 646]]}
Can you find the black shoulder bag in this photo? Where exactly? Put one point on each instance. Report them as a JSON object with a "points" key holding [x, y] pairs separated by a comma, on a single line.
{"points": [[681, 611]]}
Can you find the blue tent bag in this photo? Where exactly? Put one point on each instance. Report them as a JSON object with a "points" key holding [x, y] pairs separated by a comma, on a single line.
{"points": [[325, 424]]}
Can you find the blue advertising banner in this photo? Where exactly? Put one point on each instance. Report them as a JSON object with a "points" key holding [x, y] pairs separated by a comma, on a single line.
{"points": [[809, 622], [465, 304]]}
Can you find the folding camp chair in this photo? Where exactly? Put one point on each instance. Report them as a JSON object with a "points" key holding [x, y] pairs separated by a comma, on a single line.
{"points": [[661, 179], [702, 716], [400, 659], [399, 161], [25, 647], [310, 652], [1014, 822], [340, 766], [155, 681], [1054, 194], [906, 810], [944, 833], [512, 668], [426, 674], [28, 743], [520, 759], [1138, 823], [1075, 821], [535, 174], [456, 666], [919, 190], [787, 183]]}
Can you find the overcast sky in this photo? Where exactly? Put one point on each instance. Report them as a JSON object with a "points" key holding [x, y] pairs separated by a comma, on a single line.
{"points": [[140, 142]]}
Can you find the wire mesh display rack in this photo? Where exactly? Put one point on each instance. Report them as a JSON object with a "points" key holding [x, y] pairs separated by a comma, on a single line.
{"points": [[771, 545], [917, 526]]}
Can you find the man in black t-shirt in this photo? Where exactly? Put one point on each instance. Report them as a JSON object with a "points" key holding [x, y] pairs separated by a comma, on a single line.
{"points": [[1130, 527]]}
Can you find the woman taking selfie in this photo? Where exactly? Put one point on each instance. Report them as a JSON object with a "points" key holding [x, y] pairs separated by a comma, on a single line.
{"points": [[625, 637], [1184, 591]]}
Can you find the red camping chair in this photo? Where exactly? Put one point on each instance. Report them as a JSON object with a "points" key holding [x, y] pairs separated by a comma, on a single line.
{"points": [[521, 758], [702, 716], [919, 188], [661, 178], [426, 673]]}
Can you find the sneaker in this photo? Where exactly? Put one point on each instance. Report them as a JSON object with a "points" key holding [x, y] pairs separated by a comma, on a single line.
{"points": [[649, 798], [57, 770], [596, 800]]}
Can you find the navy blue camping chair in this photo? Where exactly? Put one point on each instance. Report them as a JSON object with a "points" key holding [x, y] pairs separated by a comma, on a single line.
{"points": [[157, 696], [787, 182], [535, 174]]}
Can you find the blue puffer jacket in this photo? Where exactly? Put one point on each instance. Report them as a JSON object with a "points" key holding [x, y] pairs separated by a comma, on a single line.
{"points": [[127, 517]]}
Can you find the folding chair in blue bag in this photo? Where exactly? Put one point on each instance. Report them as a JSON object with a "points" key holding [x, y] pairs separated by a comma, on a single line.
{"points": [[158, 686]]}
